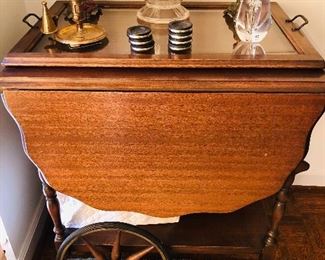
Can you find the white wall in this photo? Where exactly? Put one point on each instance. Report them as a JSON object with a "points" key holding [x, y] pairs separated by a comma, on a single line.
{"points": [[34, 6], [20, 190], [314, 10], [11, 27], [18, 180]]}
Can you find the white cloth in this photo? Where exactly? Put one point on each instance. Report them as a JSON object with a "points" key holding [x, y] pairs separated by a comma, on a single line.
{"points": [[76, 214]]}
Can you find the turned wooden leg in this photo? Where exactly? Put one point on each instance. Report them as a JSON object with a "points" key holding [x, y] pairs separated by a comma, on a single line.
{"points": [[278, 212], [53, 208]]}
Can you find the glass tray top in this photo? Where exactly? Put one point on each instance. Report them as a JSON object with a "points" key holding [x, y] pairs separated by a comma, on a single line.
{"points": [[211, 34], [214, 43]]}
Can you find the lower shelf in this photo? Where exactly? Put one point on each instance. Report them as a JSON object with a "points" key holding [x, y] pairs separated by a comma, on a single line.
{"points": [[238, 233]]}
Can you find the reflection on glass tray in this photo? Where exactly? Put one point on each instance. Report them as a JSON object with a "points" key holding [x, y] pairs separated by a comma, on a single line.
{"points": [[211, 34]]}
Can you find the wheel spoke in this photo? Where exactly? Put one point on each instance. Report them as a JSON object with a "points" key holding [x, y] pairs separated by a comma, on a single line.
{"points": [[115, 254], [140, 254], [115, 240], [93, 250]]}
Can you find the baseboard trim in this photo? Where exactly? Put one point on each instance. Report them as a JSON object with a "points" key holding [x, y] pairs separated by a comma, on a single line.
{"points": [[308, 189], [5, 243], [306, 179], [34, 231]]}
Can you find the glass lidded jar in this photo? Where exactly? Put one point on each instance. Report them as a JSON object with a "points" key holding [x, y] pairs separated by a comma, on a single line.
{"points": [[162, 11], [253, 20]]}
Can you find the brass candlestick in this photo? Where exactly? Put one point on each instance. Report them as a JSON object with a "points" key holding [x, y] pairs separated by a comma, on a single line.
{"points": [[79, 33], [48, 24]]}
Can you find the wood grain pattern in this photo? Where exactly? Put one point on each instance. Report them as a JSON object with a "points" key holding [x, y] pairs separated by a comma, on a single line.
{"points": [[165, 154], [303, 61], [164, 80]]}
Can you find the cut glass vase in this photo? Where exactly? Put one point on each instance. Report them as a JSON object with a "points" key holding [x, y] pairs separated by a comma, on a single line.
{"points": [[162, 11]]}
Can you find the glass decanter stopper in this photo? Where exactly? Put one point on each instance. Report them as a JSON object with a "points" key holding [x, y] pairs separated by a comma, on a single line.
{"points": [[162, 11], [253, 20]]}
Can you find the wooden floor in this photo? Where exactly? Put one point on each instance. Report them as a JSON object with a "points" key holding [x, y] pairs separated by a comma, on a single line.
{"points": [[302, 231]]}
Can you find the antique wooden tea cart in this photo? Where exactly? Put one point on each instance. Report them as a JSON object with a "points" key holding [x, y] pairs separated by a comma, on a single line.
{"points": [[203, 135]]}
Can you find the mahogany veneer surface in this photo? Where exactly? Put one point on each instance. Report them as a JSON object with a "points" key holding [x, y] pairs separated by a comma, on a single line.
{"points": [[165, 154]]}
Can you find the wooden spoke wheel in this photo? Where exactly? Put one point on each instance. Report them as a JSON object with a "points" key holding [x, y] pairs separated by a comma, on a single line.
{"points": [[119, 247]]}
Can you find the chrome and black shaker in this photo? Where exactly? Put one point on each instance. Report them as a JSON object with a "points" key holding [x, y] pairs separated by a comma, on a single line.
{"points": [[180, 37], [140, 39]]}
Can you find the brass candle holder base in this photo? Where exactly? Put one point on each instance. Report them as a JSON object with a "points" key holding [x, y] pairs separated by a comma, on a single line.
{"points": [[75, 36]]}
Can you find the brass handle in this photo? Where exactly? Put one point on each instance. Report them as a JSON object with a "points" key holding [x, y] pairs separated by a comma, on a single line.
{"points": [[25, 19], [294, 18]]}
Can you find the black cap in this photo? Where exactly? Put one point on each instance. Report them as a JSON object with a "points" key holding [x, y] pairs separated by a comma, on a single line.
{"points": [[180, 27], [140, 39], [138, 32]]}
